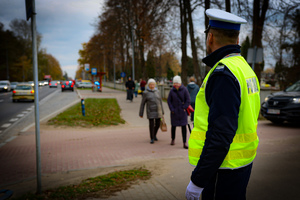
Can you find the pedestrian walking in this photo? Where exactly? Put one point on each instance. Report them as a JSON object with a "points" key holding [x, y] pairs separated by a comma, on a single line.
{"points": [[130, 89], [178, 101], [136, 89], [143, 85], [223, 142], [155, 109], [193, 89]]}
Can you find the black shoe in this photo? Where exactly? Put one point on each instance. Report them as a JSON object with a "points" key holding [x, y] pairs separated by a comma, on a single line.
{"points": [[155, 138], [152, 141], [172, 142]]}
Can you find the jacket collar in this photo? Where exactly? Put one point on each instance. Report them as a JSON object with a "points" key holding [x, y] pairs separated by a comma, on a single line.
{"points": [[220, 53]]}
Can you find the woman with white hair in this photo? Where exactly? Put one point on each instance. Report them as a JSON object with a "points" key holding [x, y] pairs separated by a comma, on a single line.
{"points": [[155, 109], [178, 101]]}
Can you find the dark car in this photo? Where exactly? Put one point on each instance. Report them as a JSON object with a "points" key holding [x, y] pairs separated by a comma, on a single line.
{"points": [[67, 85], [283, 106], [53, 84]]}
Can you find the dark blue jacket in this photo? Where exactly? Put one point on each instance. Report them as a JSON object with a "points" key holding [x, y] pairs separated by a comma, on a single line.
{"points": [[178, 105], [223, 98], [193, 89]]}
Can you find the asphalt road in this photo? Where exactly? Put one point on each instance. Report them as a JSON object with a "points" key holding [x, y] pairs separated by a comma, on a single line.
{"points": [[9, 110], [14, 117]]}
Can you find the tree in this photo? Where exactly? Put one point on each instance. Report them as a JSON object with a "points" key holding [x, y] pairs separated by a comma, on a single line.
{"points": [[244, 47], [170, 73], [196, 67], [150, 65], [260, 8], [183, 30]]}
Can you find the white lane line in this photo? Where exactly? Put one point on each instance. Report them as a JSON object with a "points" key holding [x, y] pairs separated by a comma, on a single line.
{"points": [[20, 115], [29, 109], [6, 125], [13, 119], [25, 112], [1, 100]]}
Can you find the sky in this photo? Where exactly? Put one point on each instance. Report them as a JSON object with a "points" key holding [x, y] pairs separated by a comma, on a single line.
{"points": [[63, 24]]}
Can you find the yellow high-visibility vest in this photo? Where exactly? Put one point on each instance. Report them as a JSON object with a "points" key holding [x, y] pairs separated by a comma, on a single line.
{"points": [[242, 150]]}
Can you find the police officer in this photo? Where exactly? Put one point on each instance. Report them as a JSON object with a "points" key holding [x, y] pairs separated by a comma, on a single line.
{"points": [[223, 142]]}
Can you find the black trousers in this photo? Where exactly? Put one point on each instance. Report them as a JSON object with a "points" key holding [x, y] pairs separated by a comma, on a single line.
{"points": [[153, 127], [228, 184], [183, 131]]}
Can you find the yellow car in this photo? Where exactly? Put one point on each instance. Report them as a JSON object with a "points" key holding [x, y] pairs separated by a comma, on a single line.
{"points": [[23, 92]]}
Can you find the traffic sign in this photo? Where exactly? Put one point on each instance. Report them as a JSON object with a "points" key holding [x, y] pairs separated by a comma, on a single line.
{"points": [[87, 67], [94, 71], [123, 74], [29, 11]]}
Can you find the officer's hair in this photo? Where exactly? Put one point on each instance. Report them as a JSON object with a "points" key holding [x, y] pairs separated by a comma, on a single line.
{"points": [[225, 37]]}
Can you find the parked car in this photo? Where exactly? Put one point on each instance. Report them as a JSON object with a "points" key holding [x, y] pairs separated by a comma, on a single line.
{"points": [[41, 83], [85, 85], [31, 83], [23, 92], [13, 85], [67, 85], [283, 106], [5, 86], [53, 84]]}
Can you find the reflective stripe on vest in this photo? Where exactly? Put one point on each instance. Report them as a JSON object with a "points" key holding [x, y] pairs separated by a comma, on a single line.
{"points": [[242, 150]]}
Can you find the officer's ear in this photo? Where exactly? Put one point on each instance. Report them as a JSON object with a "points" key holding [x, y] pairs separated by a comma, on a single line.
{"points": [[210, 38], [238, 40]]}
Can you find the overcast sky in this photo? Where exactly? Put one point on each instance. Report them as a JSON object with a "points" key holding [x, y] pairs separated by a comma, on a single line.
{"points": [[64, 25]]}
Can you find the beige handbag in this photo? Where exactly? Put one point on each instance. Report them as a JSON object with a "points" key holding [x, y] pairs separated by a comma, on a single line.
{"points": [[163, 125]]}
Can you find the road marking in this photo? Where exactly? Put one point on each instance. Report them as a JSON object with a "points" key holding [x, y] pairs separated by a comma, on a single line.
{"points": [[6, 125], [13, 119], [25, 112], [1, 100], [20, 115], [29, 109]]}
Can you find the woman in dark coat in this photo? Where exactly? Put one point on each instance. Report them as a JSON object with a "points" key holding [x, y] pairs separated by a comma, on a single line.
{"points": [[155, 109], [178, 101]]}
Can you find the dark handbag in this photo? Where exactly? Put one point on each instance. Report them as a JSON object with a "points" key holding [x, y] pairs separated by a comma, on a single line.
{"points": [[163, 125], [189, 109]]}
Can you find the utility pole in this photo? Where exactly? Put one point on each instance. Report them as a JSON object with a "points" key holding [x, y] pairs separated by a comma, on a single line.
{"points": [[31, 13]]}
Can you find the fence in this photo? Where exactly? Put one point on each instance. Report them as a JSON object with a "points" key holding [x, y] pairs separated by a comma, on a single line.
{"points": [[165, 89]]}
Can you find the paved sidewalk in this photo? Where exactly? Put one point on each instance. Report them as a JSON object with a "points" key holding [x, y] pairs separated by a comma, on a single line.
{"points": [[72, 151]]}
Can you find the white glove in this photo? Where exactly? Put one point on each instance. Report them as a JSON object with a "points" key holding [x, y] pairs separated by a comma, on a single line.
{"points": [[193, 191]]}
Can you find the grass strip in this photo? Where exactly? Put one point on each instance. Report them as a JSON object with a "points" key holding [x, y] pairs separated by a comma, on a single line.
{"points": [[98, 112], [97, 187]]}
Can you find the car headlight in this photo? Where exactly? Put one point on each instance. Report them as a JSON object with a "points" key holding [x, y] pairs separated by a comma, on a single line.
{"points": [[267, 98], [296, 100], [5, 87]]}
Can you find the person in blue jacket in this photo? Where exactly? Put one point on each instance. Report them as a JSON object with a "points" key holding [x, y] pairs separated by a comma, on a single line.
{"points": [[193, 89]]}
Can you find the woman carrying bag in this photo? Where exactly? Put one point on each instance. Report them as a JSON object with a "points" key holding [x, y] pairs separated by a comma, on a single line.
{"points": [[155, 109], [179, 101]]}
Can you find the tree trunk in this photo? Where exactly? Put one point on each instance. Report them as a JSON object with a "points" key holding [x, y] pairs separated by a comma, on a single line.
{"points": [[259, 15], [207, 6], [193, 42], [227, 2], [183, 27]]}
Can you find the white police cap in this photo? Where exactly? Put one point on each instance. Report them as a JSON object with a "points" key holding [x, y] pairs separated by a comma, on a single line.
{"points": [[224, 20]]}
